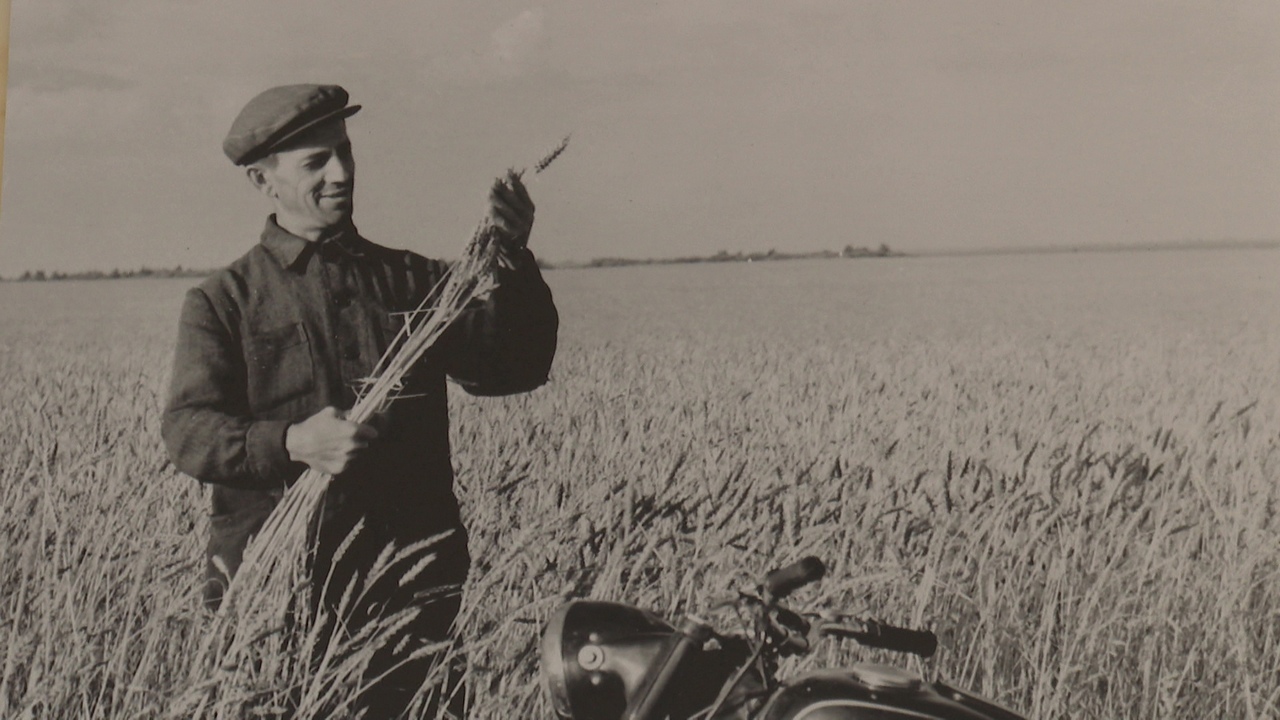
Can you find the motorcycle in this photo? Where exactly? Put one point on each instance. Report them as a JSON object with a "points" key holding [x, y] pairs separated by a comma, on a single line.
{"points": [[610, 661]]}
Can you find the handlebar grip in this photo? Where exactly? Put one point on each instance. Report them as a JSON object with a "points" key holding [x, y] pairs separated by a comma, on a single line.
{"points": [[784, 581], [888, 637]]}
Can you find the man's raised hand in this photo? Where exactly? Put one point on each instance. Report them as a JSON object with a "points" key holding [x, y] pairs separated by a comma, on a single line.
{"points": [[511, 211]]}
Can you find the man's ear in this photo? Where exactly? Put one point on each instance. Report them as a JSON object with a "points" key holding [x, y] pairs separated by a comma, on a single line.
{"points": [[258, 177]]}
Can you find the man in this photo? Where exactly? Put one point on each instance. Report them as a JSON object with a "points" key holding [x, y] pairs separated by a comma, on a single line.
{"points": [[271, 350]]}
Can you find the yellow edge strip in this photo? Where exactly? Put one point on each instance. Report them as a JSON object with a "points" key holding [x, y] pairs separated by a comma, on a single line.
{"points": [[4, 73]]}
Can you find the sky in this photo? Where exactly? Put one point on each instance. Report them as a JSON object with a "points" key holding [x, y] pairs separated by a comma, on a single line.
{"points": [[697, 125]]}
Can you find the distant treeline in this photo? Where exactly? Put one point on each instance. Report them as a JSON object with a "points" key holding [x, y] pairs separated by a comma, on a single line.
{"points": [[144, 272], [849, 251]]}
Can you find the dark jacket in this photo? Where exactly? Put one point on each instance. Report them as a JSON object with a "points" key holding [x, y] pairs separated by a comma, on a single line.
{"points": [[293, 327]]}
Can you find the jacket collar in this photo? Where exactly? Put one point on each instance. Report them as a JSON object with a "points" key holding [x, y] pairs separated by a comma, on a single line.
{"points": [[292, 251]]}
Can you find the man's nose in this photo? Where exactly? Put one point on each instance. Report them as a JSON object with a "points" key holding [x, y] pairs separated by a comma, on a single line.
{"points": [[339, 170]]}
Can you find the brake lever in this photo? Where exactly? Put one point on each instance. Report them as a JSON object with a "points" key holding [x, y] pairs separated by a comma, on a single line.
{"points": [[789, 631], [791, 620]]}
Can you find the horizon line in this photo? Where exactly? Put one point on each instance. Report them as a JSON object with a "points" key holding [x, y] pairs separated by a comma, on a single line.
{"points": [[145, 272]]}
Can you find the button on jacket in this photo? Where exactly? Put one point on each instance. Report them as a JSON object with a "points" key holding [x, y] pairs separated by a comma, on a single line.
{"points": [[295, 326]]}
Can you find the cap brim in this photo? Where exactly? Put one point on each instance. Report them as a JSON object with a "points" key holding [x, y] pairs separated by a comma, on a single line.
{"points": [[281, 143]]}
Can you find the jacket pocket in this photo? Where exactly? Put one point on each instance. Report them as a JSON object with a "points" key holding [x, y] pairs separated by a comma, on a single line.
{"points": [[280, 367]]}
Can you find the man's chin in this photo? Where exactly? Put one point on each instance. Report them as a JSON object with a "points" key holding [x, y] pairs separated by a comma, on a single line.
{"points": [[339, 214]]}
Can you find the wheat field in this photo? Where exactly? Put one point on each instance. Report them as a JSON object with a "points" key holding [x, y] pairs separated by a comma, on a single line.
{"points": [[1065, 465]]}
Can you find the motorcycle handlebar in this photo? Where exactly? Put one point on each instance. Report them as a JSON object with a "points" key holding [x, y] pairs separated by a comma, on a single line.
{"points": [[786, 580], [886, 637]]}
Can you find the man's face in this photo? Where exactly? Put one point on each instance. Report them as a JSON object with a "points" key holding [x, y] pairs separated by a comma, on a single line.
{"points": [[313, 180]]}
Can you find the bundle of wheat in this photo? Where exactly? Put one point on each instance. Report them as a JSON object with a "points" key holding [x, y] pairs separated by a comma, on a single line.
{"points": [[263, 640]]}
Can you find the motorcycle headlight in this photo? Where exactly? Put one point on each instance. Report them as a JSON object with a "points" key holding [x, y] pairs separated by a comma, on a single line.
{"points": [[553, 675], [595, 656]]}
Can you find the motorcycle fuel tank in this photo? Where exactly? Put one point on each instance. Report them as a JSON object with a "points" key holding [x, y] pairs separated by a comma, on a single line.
{"points": [[871, 692]]}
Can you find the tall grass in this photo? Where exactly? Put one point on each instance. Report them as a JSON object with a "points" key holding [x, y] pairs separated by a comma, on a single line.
{"points": [[1083, 508]]}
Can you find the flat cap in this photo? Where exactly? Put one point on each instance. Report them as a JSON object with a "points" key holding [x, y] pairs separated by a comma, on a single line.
{"points": [[277, 115]]}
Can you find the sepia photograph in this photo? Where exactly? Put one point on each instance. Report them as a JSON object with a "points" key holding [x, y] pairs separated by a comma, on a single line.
{"points": [[678, 360]]}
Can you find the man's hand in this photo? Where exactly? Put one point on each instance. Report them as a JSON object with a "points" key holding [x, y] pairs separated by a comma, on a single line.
{"points": [[327, 441], [511, 211]]}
